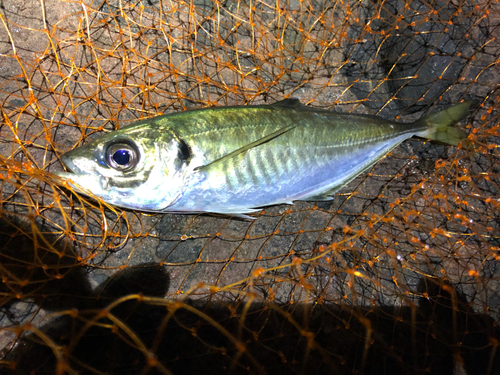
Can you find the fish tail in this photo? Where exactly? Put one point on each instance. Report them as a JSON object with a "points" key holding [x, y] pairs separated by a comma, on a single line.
{"points": [[438, 125]]}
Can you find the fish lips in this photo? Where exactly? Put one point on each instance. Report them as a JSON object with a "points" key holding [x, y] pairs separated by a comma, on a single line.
{"points": [[68, 163], [73, 171], [76, 177]]}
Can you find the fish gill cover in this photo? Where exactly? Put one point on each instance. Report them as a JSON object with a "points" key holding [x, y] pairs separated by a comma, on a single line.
{"points": [[398, 274]]}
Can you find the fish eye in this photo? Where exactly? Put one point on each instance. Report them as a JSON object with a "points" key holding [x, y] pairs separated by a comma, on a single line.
{"points": [[122, 156]]}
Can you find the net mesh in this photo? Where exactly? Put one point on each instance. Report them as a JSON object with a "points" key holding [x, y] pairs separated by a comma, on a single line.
{"points": [[398, 274]]}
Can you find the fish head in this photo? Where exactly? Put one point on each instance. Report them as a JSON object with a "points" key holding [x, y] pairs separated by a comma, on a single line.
{"points": [[139, 168]]}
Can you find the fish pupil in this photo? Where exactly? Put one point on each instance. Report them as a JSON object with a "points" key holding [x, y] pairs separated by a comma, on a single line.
{"points": [[121, 157]]}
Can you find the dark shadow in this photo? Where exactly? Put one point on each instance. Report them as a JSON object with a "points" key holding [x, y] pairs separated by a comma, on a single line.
{"points": [[38, 268], [98, 347], [331, 339]]}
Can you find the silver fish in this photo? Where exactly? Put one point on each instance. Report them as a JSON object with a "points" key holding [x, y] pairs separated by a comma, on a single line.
{"points": [[235, 160]]}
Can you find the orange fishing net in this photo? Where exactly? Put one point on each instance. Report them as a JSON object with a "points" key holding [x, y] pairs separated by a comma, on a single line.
{"points": [[398, 274]]}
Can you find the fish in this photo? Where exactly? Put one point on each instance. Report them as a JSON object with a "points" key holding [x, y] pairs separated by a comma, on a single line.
{"points": [[236, 160]]}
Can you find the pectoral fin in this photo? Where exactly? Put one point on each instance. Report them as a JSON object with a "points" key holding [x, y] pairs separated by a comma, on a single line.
{"points": [[239, 153]]}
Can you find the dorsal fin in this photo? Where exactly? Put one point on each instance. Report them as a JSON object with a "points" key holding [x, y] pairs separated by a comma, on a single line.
{"points": [[288, 103], [241, 151]]}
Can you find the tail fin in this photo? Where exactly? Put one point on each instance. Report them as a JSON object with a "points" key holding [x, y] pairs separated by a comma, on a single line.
{"points": [[439, 124]]}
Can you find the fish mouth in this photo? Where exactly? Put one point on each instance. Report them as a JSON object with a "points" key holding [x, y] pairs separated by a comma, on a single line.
{"points": [[78, 179], [70, 167]]}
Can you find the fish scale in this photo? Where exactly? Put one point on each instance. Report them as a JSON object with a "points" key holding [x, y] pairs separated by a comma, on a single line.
{"points": [[234, 160]]}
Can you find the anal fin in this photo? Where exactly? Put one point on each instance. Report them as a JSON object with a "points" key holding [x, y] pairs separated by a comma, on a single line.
{"points": [[321, 196], [237, 213]]}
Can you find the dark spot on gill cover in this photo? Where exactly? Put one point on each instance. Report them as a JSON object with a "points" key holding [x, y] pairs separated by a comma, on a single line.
{"points": [[184, 151], [183, 154]]}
